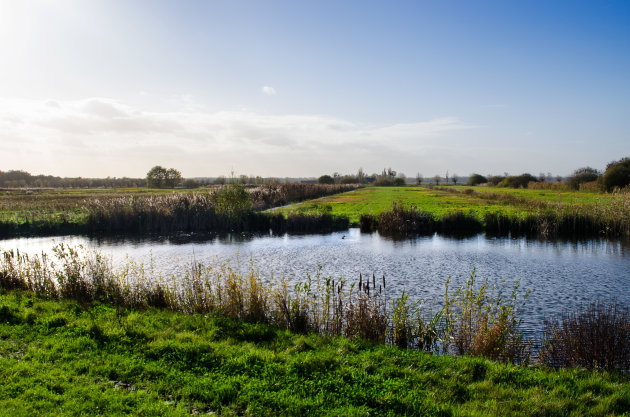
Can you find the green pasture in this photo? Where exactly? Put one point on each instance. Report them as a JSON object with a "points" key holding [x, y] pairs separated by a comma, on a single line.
{"points": [[443, 200], [65, 358]]}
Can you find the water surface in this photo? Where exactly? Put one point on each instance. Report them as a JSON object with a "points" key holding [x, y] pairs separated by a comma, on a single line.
{"points": [[560, 275]]}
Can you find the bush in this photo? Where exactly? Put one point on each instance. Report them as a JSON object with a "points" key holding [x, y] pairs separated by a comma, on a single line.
{"points": [[519, 181], [232, 201], [476, 179], [495, 179], [617, 174], [597, 337], [389, 182], [581, 176], [481, 322], [325, 179]]}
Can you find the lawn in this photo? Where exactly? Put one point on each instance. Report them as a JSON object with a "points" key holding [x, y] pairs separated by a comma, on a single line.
{"points": [[65, 358], [443, 200]]}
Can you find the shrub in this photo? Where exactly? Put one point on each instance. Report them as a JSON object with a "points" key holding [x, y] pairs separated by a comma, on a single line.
{"points": [[325, 179], [519, 181], [617, 174], [232, 201], [581, 176], [402, 221], [476, 179], [596, 337], [481, 322]]}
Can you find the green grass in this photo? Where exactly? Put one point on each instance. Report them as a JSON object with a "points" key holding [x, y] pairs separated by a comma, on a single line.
{"points": [[443, 200], [64, 358]]}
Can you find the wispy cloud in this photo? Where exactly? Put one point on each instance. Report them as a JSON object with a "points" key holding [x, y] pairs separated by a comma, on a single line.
{"points": [[270, 91], [101, 136]]}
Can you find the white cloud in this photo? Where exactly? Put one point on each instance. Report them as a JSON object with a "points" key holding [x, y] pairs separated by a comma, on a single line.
{"points": [[270, 91], [100, 137]]}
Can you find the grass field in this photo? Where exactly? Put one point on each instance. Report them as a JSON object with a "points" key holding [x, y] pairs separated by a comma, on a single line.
{"points": [[58, 205], [443, 200], [66, 358]]}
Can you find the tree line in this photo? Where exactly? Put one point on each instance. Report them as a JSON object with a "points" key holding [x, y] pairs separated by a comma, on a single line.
{"points": [[23, 179]]}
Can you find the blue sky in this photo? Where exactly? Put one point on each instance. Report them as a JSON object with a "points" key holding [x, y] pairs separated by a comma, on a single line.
{"points": [[296, 88]]}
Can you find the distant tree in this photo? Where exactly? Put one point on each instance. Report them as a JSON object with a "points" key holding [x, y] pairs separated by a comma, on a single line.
{"points": [[156, 177], [617, 174], [190, 183], [436, 179], [419, 178], [220, 180], [360, 176], [582, 175], [476, 179], [349, 179], [495, 179], [519, 181], [446, 177], [326, 179], [173, 178], [559, 178], [455, 178]]}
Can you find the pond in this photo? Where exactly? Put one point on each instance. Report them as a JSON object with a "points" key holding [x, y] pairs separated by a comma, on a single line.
{"points": [[560, 275]]}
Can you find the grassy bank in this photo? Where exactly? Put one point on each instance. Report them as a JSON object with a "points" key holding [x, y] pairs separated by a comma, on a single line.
{"points": [[69, 358]]}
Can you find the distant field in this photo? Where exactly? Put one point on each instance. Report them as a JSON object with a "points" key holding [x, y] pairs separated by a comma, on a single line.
{"points": [[443, 200], [69, 205]]}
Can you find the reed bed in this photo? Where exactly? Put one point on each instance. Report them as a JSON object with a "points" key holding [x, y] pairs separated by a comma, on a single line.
{"points": [[403, 221], [595, 337], [275, 195], [476, 319]]}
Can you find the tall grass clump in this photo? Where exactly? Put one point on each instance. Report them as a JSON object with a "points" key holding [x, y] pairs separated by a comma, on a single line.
{"points": [[481, 321], [366, 315], [401, 221], [595, 337]]}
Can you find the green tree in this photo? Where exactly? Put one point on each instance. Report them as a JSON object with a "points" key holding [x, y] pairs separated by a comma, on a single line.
{"points": [[326, 179], [476, 179], [173, 178], [582, 175], [617, 174], [156, 177]]}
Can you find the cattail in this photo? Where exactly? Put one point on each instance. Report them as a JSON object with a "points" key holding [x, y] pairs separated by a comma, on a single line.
{"points": [[373, 281], [360, 280], [383, 280], [380, 289]]}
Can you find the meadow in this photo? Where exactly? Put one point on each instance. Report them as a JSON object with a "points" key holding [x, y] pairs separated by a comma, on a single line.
{"points": [[550, 213]]}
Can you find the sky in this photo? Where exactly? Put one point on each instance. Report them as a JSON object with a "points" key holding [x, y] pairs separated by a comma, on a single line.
{"points": [[303, 88]]}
